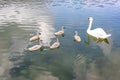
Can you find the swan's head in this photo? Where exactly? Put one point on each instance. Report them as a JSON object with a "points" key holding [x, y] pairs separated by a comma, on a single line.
{"points": [[62, 27], [38, 33], [76, 32], [90, 19]]}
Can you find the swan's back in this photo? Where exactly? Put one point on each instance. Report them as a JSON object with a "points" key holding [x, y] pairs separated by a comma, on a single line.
{"points": [[55, 45], [77, 37], [99, 31], [60, 32], [35, 47]]}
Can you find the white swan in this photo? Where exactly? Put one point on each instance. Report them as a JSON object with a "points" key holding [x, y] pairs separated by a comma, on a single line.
{"points": [[98, 32], [35, 47], [77, 37], [60, 32], [36, 37], [55, 44]]}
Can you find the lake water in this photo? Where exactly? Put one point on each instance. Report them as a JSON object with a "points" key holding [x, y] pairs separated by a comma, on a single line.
{"points": [[21, 19]]}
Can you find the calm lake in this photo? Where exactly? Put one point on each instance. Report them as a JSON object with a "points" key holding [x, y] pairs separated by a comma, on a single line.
{"points": [[87, 60]]}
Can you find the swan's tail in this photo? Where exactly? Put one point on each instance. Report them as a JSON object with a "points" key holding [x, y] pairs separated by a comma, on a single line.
{"points": [[106, 36]]}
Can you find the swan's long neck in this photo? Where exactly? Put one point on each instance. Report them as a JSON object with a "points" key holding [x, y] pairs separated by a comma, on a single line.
{"points": [[37, 33], [40, 42], [62, 28], [90, 25], [57, 40]]}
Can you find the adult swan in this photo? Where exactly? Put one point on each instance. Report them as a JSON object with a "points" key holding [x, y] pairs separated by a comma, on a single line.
{"points": [[98, 33]]}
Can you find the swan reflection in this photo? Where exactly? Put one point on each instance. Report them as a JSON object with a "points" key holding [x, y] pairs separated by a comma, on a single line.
{"points": [[95, 40]]}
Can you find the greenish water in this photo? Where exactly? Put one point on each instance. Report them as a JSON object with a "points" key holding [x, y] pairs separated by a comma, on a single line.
{"points": [[87, 60]]}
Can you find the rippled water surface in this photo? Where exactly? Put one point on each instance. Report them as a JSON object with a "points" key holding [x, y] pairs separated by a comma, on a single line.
{"points": [[87, 60]]}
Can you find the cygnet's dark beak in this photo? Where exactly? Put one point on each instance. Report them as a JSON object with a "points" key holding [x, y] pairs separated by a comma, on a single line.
{"points": [[88, 18], [39, 33]]}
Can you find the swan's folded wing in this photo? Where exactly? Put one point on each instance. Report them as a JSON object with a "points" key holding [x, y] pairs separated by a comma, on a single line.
{"points": [[36, 47], [34, 38], [77, 38], [106, 36], [55, 45]]}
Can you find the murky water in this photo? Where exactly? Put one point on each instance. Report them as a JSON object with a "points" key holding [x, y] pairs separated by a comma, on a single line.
{"points": [[87, 60]]}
